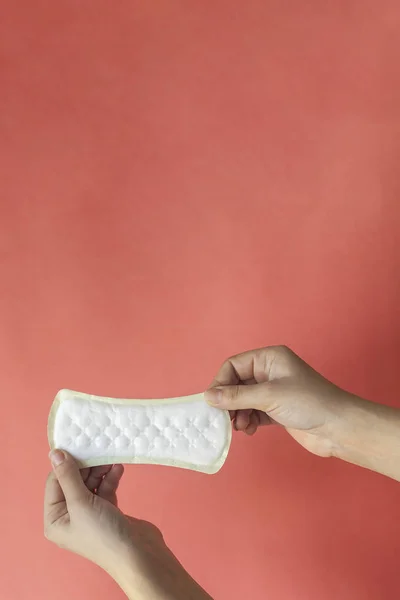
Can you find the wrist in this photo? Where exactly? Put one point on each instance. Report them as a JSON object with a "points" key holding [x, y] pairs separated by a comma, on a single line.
{"points": [[368, 435], [345, 421], [126, 574], [157, 576]]}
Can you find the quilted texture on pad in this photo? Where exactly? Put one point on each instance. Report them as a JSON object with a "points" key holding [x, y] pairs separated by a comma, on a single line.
{"points": [[184, 432]]}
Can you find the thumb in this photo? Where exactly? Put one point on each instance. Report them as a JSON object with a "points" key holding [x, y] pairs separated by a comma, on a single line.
{"points": [[68, 476], [234, 397]]}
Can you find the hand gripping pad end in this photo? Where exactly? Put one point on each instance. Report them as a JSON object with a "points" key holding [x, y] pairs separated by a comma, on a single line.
{"points": [[180, 432]]}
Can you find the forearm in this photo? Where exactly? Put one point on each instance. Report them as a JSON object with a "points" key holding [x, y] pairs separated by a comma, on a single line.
{"points": [[164, 579], [369, 436]]}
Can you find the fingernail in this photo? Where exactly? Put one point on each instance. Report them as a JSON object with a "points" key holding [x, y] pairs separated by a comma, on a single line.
{"points": [[56, 457], [214, 396]]}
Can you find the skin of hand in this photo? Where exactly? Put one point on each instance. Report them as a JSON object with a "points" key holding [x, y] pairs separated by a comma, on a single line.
{"points": [[274, 385], [81, 515]]}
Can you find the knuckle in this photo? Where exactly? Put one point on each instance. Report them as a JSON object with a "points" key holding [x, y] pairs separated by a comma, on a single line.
{"points": [[283, 349], [285, 361], [284, 352], [231, 394], [154, 531], [235, 392]]}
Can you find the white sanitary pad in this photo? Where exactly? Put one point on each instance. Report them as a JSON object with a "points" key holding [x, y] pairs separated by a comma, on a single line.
{"points": [[181, 432]]}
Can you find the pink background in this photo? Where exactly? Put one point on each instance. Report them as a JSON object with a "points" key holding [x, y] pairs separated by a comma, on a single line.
{"points": [[181, 181]]}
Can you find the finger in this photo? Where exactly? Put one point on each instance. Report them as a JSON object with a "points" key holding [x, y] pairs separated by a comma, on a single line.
{"points": [[109, 485], [225, 376], [264, 419], [95, 476], [53, 493], [253, 424], [68, 475], [235, 397], [232, 415], [251, 367], [242, 419], [55, 506], [85, 473]]}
